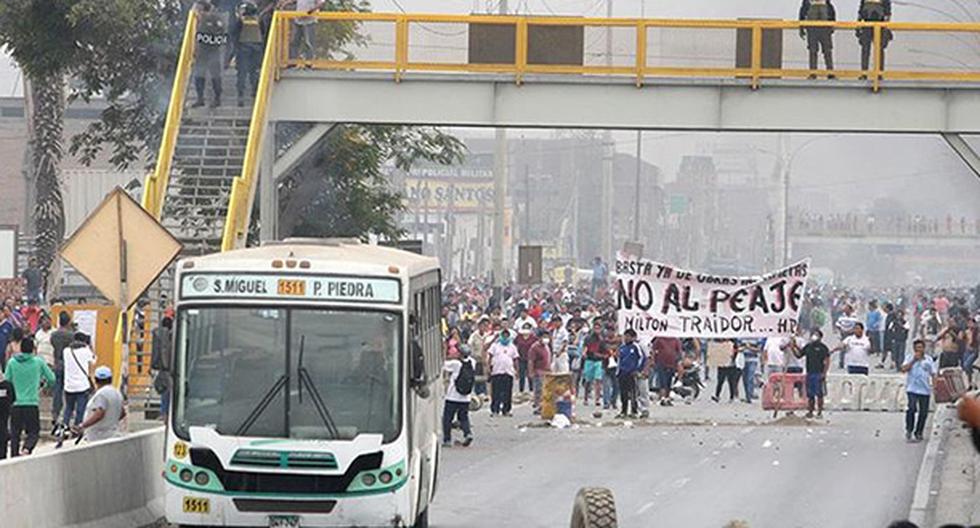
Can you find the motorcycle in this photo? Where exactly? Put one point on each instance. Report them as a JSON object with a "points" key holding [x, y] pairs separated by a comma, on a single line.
{"points": [[688, 385]]}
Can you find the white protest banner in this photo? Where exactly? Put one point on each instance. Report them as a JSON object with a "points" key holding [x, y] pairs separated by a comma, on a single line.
{"points": [[655, 299]]}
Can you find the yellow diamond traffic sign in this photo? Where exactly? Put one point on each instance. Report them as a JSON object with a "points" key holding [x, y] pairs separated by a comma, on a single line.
{"points": [[120, 249]]}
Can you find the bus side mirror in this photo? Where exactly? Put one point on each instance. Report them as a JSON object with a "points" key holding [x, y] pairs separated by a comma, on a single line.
{"points": [[418, 379]]}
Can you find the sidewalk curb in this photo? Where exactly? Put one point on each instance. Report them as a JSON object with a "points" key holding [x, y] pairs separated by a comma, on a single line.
{"points": [[919, 510]]}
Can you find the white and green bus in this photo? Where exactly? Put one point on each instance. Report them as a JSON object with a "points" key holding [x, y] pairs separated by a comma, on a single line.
{"points": [[305, 387]]}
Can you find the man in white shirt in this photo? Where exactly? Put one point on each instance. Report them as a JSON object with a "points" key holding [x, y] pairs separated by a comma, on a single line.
{"points": [[503, 368], [42, 341], [845, 326], [304, 28], [856, 350], [78, 360], [773, 357], [457, 405], [524, 319], [105, 411]]}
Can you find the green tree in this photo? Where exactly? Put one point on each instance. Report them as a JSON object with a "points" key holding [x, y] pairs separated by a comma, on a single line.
{"points": [[342, 190], [125, 52], [78, 49]]}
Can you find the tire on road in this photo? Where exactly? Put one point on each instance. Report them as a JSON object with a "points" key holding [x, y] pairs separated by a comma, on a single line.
{"points": [[594, 508]]}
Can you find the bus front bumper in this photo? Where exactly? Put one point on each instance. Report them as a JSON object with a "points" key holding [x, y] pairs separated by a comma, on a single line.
{"points": [[389, 509]]}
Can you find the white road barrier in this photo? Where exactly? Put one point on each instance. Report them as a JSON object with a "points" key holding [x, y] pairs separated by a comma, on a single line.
{"points": [[877, 392], [116, 483]]}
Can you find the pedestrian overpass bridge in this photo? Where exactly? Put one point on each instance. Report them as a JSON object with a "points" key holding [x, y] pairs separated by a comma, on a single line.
{"points": [[883, 239], [561, 72]]}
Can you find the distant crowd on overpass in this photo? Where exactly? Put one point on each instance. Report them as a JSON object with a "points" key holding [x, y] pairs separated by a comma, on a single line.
{"points": [[883, 225]]}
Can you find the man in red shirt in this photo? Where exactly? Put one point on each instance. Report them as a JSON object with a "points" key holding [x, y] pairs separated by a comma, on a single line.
{"points": [[666, 354], [539, 364], [524, 340], [536, 311], [31, 314]]}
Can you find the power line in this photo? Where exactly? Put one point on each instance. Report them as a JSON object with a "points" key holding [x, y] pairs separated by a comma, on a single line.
{"points": [[401, 8]]}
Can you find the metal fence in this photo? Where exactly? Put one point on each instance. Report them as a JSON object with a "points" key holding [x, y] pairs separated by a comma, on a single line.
{"points": [[644, 49]]}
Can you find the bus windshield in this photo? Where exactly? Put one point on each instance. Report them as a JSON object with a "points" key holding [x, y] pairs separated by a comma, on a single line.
{"points": [[288, 372]]}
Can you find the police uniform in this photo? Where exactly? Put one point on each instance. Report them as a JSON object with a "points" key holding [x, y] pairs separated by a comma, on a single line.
{"points": [[247, 37], [873, 11], [819, 38], [208, 60]]}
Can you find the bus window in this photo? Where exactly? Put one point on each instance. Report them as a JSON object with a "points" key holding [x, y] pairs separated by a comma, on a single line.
{"points": [[229, 358], [340, 370]]}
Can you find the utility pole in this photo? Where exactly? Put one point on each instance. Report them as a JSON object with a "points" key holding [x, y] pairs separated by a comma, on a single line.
{"points": [[782, 234], [481, 241], [499, 197], [527, 204], [639, 155], [450, 227], [605, 222], [636, 189]]}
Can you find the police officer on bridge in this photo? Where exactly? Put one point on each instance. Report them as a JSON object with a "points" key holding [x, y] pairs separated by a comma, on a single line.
{"points": [[819, 38], [873, 11], [212, 35], [247, 40]]}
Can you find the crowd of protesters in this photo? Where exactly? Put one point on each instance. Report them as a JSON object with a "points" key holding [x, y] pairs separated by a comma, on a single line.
{"points": [[38, 358], [517, 335]]}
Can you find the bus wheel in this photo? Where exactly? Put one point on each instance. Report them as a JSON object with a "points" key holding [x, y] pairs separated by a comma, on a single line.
{"points": [[422, 521], [594, 508]]}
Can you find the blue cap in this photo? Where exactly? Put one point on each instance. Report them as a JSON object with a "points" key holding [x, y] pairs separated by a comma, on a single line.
{"points": [[103, 373]]}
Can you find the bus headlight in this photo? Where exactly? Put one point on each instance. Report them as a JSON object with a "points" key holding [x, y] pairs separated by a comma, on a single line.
{"points": [[202, 478], [368, 479], [385, 477], [186, 475]]}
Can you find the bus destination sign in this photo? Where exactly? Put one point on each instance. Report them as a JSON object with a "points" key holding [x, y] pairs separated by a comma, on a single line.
{"points": [[306, 287]]}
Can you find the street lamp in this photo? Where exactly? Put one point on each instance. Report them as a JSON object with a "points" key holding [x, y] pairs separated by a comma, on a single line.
{"points": [[786, 159]]}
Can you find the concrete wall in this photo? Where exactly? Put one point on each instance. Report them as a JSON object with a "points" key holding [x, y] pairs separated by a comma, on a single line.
{"points": [[116, 483]]}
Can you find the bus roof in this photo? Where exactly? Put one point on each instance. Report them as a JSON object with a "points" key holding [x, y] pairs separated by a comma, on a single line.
{"points": [[325, 255]]}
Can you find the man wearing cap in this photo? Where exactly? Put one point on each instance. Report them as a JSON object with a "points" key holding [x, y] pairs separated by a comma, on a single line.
{"points": [[104, 411], [25, 372]]}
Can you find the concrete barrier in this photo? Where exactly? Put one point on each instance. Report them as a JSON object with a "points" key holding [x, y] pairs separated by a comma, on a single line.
{"points": [[116, 483], [877, 392]]}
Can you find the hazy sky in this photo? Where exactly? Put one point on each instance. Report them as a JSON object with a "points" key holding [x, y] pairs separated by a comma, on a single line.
{"points": [[904, 10], [919, 170]]}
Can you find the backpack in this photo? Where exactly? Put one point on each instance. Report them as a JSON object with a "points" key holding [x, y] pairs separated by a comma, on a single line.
{"points": [[466, 378], [818, 11]]}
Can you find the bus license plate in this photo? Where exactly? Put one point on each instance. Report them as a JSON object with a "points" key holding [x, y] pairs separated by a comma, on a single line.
{"points": [[284, 521], [292, 287], [197, 505]]}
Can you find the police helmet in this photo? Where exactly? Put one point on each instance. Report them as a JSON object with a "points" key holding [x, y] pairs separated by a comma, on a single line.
{"points": [[248, 9]]}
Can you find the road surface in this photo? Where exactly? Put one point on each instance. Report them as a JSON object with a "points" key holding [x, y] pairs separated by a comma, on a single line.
{"points": [[854, 470]]}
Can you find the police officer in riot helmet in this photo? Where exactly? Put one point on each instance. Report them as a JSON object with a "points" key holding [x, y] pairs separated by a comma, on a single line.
{"points": [[819, 39], [873, 11], [247, 40], [211, 38]]}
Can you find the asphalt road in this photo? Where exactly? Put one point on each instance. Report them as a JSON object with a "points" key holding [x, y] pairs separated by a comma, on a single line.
{"points": [[854, 470]]}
